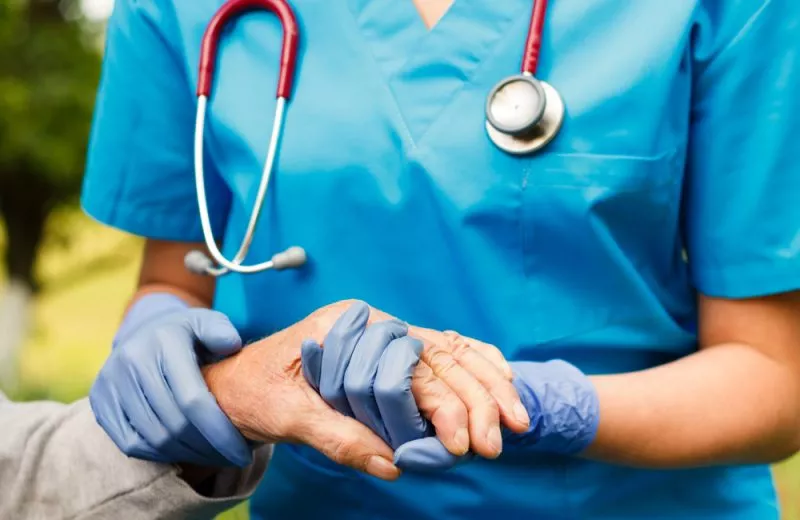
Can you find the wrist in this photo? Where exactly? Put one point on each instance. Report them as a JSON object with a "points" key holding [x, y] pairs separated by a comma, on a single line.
{"points": [[230, 395], [563, 406]]}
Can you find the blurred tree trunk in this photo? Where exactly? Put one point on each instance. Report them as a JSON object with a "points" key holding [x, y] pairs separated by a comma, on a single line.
{"points": [[47, 78], [25, 203]]}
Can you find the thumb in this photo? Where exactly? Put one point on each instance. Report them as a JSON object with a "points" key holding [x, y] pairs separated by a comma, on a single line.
{"points": [[427, 455], [215, 332], [348, 442]]}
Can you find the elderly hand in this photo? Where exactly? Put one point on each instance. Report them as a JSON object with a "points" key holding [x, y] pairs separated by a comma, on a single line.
{"points": [[462, 391], [263, 392], [366, 372]]}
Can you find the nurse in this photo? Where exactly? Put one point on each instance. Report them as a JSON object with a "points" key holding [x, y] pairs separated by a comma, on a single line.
{"points": [[653, 246]]}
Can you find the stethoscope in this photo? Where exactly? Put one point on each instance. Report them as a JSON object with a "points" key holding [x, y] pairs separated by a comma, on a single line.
{"points": [[523, 114]]}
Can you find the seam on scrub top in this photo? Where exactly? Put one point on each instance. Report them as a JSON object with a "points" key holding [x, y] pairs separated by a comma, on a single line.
{"points": [[740, 34], [659, 156], [385, 80], [490, 53]]}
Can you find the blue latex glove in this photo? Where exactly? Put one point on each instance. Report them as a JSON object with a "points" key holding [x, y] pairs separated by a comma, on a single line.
{"points": [[359, 370], [561, 402], [365, 372], [150, 396]]}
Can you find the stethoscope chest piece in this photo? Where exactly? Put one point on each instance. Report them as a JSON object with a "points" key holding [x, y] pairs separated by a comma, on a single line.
{"points": [[523, 114]]}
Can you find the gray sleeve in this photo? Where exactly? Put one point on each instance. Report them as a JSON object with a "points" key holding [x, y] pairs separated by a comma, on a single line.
{"points": [[57, 463]]}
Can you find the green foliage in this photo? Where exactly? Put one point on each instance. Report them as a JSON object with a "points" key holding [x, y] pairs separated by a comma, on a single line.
{"points": [[49, 69]]}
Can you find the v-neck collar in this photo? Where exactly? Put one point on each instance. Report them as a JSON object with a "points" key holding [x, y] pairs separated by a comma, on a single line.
{"points": [[425, 68]]}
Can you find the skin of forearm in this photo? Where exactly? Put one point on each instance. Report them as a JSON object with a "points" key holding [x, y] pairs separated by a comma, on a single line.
{"points": [[191, 299], [163, 271], [726, 404]]}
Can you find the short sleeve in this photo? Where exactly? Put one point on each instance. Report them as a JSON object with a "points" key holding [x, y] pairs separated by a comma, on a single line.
{"points": [[140, 170], [742, 194]]}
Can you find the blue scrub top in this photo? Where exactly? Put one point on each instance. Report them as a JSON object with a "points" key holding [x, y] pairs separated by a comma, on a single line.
{"points": [[679, 142]]}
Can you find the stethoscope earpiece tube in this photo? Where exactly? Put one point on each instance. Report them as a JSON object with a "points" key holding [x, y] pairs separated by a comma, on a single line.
{"points": [[533, 44], [198, 262], [231, 10]]}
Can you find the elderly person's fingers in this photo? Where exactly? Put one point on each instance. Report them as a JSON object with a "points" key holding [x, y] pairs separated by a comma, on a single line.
{"points": [[512, 412], [490, 352], [483, 410], [443, 408]]}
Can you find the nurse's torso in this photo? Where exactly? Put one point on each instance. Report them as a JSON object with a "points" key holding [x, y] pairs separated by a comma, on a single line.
{"points": [[388, 180]]}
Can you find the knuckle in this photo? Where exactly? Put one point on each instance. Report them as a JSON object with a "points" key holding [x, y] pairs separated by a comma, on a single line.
{"points": [[441, 360], [357, 387], [449, 416], [342, 452], [389, 393], [178, 427], [161, 441], [488, 404], [127, 446], [452, 410], [128, 356], [460, 349], [452, 335]]}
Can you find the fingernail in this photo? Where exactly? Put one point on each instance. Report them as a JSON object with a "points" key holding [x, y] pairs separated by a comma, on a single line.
{"points": [[382, 468], [521, 414], [495, 440], [461, 440]]}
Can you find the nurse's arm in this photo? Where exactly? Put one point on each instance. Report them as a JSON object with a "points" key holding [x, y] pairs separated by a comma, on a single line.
{"points": [[737, 400], [162, 271]]}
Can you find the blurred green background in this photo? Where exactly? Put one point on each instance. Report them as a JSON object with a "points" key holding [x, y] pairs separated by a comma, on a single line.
{"points": [[67, 279]]}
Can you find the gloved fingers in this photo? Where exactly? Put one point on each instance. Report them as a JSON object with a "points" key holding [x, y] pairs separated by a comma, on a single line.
{"points": [[107, 410], [159, 396], [360, 376], [135, 404], [337, 350], [311, 359], [348, 442], [484, 413], [398, 408], [182, 374], [512, 411], [215, 332], [490, 352], [447, 413], [427, 455]]}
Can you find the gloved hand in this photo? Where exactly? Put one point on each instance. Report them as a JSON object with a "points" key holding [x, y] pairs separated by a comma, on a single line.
{"points": [[365, 372], [368, 376], [150, 396], [563, 407]]}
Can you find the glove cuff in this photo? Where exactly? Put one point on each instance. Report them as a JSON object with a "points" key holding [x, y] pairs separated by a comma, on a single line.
{"points": [[146, 309], [562, 404]]}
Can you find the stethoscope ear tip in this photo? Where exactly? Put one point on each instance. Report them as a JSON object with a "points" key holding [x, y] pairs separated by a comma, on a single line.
{"points": [[197, 262], [289, 259]]}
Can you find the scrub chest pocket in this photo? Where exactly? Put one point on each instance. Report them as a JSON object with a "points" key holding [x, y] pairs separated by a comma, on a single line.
{"points": [[595, 225]]}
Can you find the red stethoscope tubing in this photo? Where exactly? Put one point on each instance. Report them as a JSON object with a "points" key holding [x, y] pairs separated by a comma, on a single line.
{"points": [[230, 11], [533, 45], [291, 36]]}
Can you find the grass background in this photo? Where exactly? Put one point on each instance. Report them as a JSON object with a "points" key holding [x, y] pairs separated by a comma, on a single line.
{"points": [[85, 286]]}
